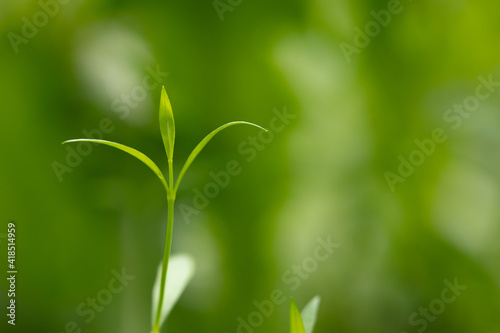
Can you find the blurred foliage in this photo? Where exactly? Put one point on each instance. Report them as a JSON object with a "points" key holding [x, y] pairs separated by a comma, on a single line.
{"points": [[323, 175]]}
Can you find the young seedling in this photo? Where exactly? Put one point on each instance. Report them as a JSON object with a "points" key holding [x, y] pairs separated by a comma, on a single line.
{"points": [[303, 322], [161, 306]]}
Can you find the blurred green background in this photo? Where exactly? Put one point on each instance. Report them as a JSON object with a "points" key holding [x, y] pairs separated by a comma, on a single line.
{"points": [[357, 116]]}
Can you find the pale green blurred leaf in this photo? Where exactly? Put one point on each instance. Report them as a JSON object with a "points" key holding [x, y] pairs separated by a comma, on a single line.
{"points": [[180, 271], [310, 314]]}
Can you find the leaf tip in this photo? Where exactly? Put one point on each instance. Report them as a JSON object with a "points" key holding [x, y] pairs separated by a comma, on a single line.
{"points": [[164, 98], [262, 128]]}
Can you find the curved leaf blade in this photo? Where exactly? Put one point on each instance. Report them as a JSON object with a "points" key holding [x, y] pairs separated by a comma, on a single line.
{"points": [[167, 124], [310, 314], [137, 154], [181, 269], [204, 142], [296, 324]]}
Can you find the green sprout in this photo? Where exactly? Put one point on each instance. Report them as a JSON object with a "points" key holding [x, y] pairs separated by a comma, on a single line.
{"points": [[303, 322], [162, 306]]}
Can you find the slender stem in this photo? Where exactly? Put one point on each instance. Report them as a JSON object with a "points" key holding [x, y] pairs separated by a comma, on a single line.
{"points": [[168, 245], [171, 177]]}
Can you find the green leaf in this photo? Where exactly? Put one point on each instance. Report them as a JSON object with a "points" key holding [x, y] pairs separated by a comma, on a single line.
{"points": [[167, 124], [137, 154], [296, 324], [203, 143], [180, 271], [310, 314]]}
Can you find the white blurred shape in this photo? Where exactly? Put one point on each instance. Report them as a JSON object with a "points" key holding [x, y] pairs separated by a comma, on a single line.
{"points": [[111, 60], [465, 208]]}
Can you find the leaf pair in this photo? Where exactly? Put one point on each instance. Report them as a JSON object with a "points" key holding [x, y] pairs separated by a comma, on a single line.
{"points": [[304, 322], [167, 129]]}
